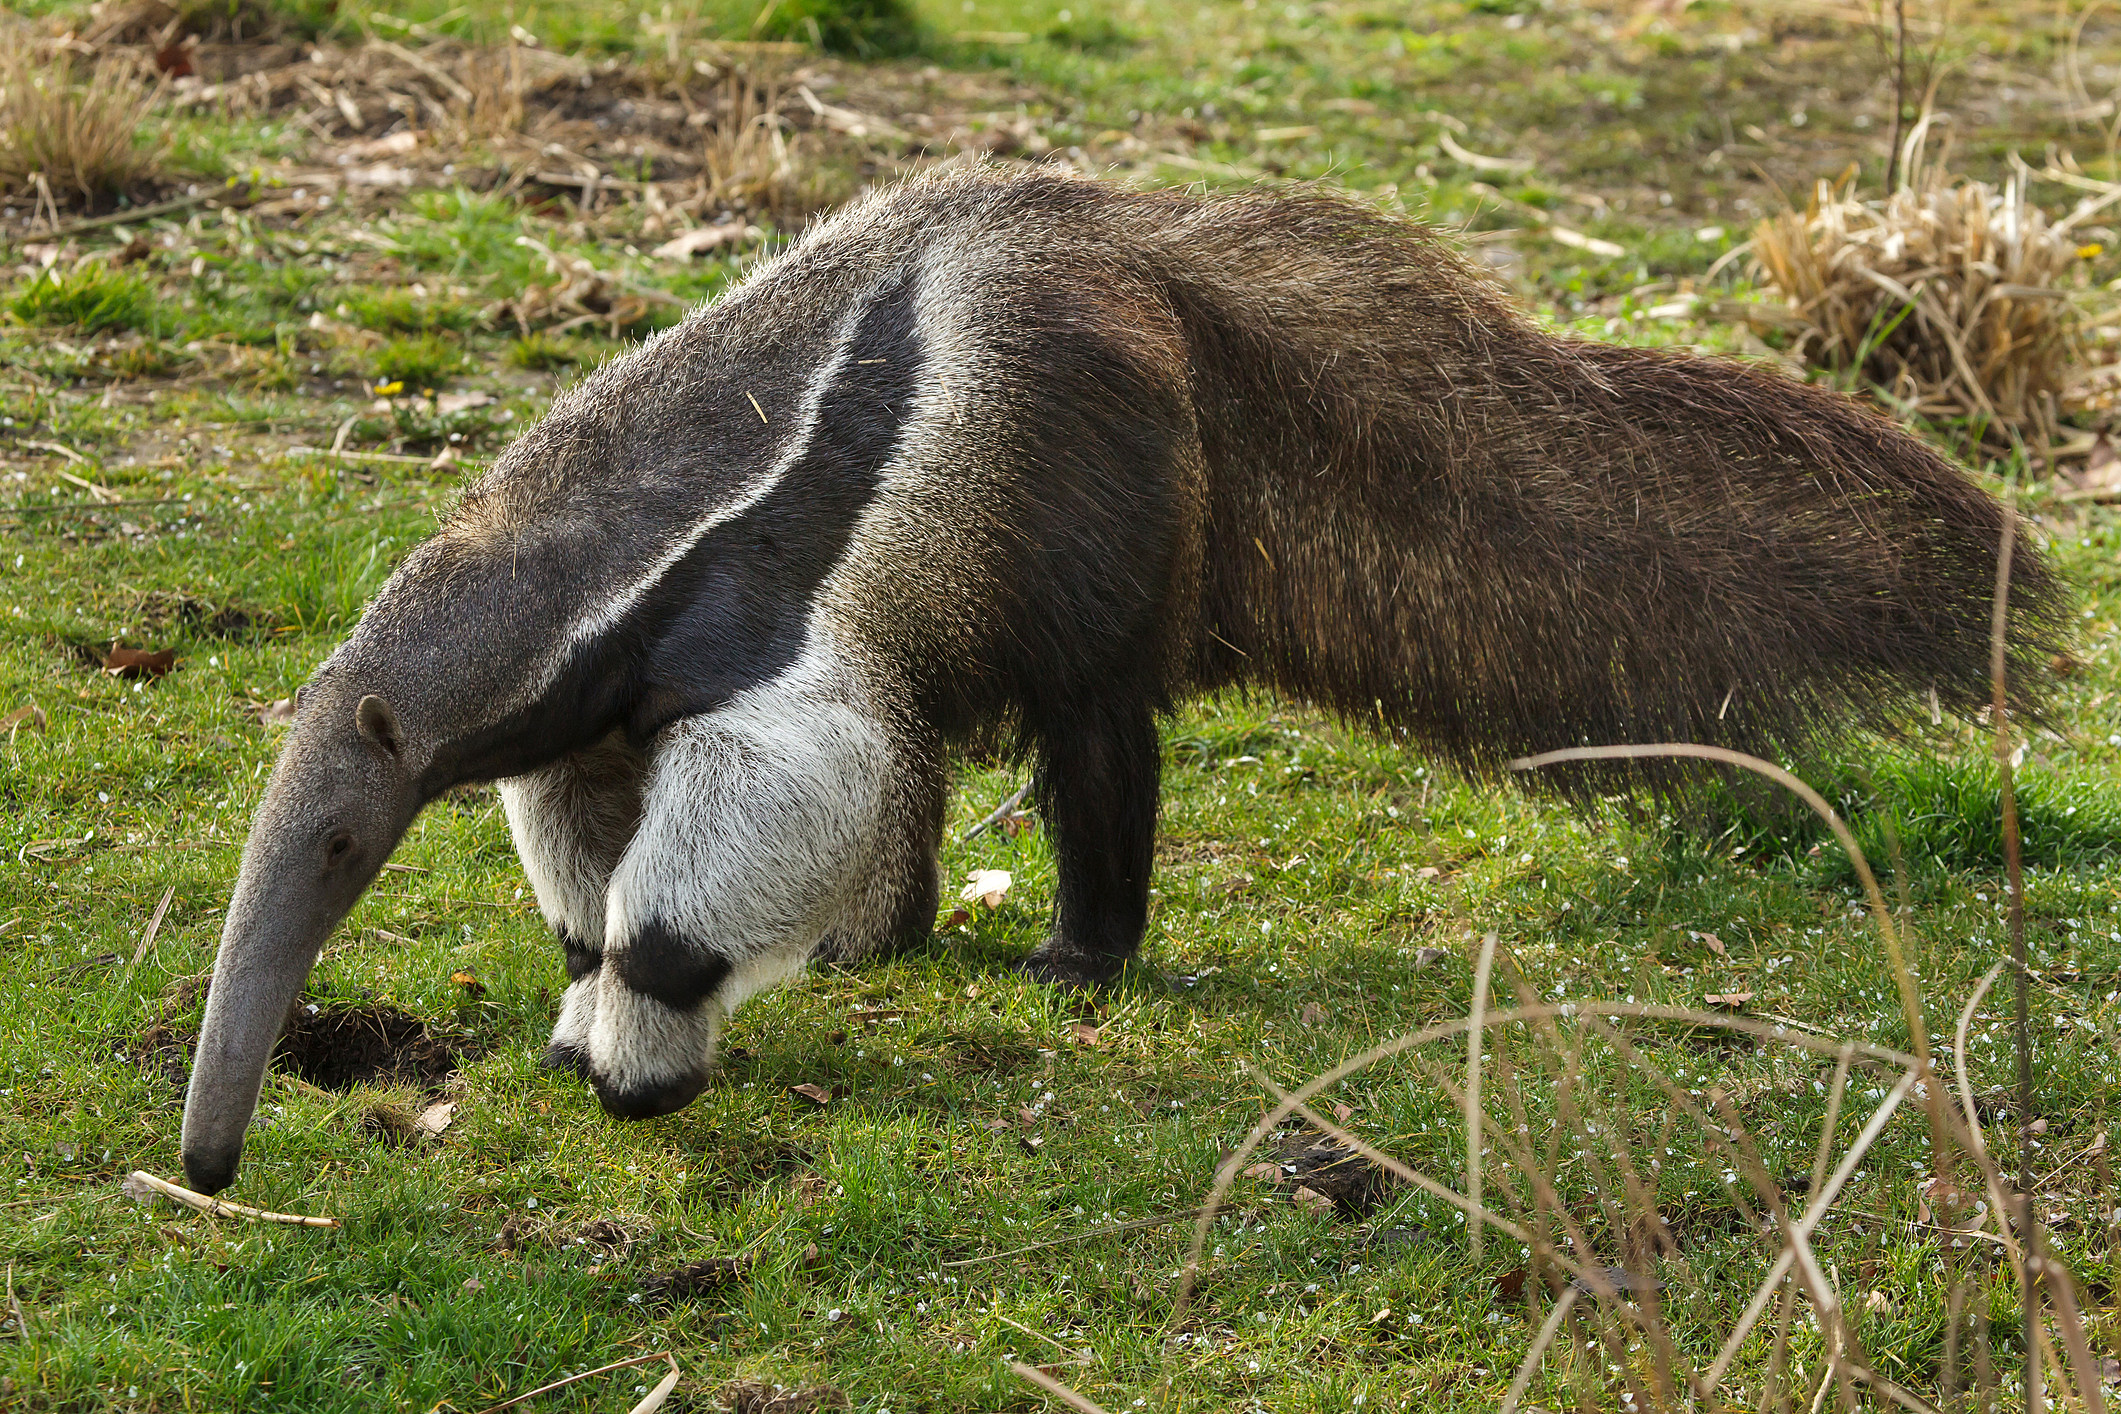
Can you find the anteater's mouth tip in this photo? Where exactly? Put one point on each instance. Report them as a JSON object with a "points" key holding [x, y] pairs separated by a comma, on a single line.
{"points": [[208, 1176]]}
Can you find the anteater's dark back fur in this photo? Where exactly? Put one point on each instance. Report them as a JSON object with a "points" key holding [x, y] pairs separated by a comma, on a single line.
{"points": [[1423, 510]]}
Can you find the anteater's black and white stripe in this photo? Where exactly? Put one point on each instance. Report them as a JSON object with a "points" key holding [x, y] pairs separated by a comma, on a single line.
{"points": [[1032, 457]]}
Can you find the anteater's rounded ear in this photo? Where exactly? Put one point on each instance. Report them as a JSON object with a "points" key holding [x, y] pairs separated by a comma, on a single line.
{"points": [[376, 722]]}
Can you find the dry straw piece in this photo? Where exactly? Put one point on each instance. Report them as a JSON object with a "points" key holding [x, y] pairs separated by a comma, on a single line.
{"points": [[73, 133], [1954, 298]]}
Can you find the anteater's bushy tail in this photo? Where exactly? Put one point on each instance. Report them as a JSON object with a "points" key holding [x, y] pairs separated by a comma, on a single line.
{"points": [[1433, 516]]}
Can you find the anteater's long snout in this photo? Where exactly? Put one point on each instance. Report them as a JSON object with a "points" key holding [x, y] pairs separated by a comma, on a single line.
{"points": [[266, 954]]}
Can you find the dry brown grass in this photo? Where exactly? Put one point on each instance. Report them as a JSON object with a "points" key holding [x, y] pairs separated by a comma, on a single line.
{"points": [[1954, 298], [75, 135]]}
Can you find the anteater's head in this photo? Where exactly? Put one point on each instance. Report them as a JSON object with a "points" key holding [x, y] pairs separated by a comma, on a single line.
{"points": [[344, 791]]}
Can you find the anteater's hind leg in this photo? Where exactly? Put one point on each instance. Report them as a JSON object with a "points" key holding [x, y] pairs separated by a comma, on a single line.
{"points": [[1097, 782], [572, 822], [761, 827]]}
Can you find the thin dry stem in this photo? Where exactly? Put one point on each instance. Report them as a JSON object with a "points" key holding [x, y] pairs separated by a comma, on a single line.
{"points": [[214, 1207], [1055, 1388], [1474, 1032]]}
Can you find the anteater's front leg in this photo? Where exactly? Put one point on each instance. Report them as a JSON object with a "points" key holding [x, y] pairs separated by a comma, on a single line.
{"points": [[1098, 782], [761, 824], [572, 822]]}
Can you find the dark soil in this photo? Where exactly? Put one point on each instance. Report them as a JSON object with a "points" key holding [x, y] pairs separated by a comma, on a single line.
{"points": [[1307, 1159], [695, 1279], [337, 1048]]}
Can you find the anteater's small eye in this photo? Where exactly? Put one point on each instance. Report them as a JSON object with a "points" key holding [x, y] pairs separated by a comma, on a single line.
{"points": [[341, 845]]}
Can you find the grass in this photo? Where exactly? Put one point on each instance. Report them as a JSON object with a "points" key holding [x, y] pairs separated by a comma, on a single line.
{"points": [[1303, 869], [91, 298]]}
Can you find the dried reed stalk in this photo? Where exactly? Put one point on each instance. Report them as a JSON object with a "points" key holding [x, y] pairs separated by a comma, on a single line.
{"points": [[1952, 297], [75, 137]]}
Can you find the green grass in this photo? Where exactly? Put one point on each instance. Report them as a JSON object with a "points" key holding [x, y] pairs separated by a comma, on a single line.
{"points": [[1303, 868], [90, 298]]}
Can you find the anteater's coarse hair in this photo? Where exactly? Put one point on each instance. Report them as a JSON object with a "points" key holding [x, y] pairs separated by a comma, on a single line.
{"points": [[1032, 452]]}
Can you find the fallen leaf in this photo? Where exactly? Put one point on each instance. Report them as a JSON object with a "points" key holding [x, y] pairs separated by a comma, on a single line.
{"points": [[1306, 1197], [1713, 943], [703, 239], [277, 714], [1083, 1032], [382, 174], [469, 980], [1426, 958], [1383, 1315], [138, 662], [474, 1284], [449, 403], [957, 916], [1733, 1000], [1428, 871], [1313, 1014], [1510, 1285], [32, 714], [1027, 1117], [1265, 1173], [815, 1094], [1031, 1143], [987, 886], [1343, 1113], [174, 60], [396, 145]]}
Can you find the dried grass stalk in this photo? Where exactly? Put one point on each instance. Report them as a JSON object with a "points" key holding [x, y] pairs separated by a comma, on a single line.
{"points": [[88, 136], [1954, 298]]}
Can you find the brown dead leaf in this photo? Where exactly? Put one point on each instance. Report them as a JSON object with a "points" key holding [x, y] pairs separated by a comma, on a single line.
{"points": [[1733, 1000], [1713, 943], [1083, 1032], [1311, 1198], [277, 714], [1265, 1173], [1313, 1014], [957, 916], [1027, 1117], [815, 1094], [987, 886], [1030, 1143], [139, 662], [1426, 958], [466, 978], [1342, 1114], [31, 716], [174, 60]]}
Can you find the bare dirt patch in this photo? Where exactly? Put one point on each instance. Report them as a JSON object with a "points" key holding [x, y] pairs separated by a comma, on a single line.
{"points": [[337, 1048]]}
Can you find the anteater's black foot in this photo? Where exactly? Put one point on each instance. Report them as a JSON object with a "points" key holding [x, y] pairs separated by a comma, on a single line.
{"points": [[648, 1101], [1058, 965], [572, 1059]]}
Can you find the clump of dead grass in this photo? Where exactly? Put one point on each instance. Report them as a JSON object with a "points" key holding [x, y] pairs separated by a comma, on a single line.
{"points": [[1955, 299], [75, 135]]}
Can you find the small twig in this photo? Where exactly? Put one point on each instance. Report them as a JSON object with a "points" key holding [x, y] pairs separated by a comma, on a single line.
{"points": [[144, 213], [1050, 1385], [1091, 1236], [154, 925], [1001, 812], [93, 506], [65, 451], [1075, 1357], [670, 1378], [1540, 1342], [2014, 877], [214, 1207]]}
